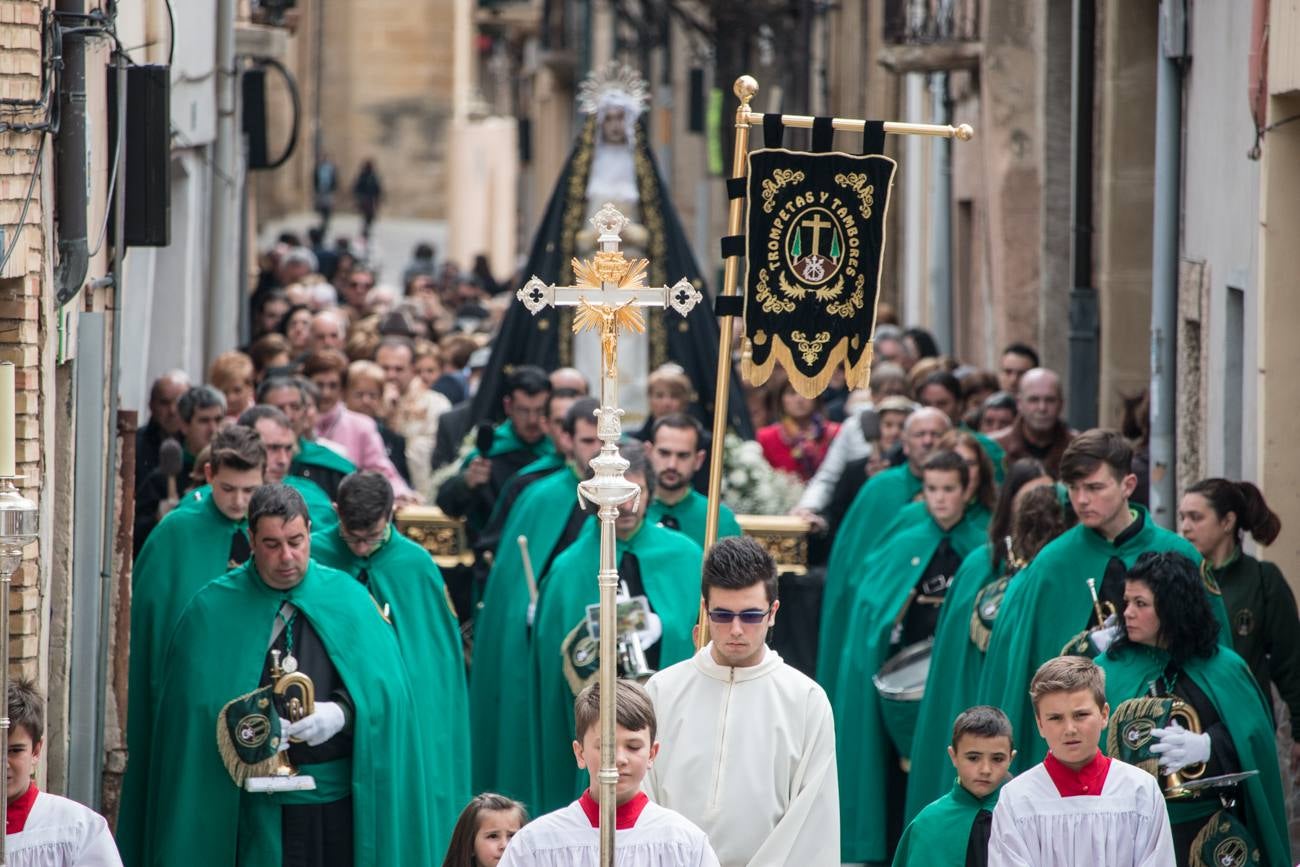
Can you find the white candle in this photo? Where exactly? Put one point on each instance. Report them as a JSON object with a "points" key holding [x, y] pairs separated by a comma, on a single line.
{"points": [[7, 419]]}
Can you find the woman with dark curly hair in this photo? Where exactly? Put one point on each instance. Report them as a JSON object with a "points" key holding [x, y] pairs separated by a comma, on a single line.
{"points": [[1168, 652], [1213, 515]]}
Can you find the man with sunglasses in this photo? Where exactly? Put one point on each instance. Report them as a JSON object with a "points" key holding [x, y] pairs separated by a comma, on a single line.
{"points": [[408, 589], [749, 742]]}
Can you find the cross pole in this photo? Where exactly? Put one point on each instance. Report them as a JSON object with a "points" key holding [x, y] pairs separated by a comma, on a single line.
{"points": [[608, 292]]}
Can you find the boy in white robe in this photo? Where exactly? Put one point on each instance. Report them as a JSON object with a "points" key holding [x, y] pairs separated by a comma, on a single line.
{"points": [[44, 830], [735, 718], [646, 834], [1078, 807]]}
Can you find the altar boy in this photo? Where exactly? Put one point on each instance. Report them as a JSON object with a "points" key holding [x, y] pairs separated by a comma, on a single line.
{"points": [[648, 835], [939, 836], [1078, 806]]}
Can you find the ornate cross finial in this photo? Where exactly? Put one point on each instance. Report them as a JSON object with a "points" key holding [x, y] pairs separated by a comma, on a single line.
{"points": [[609, 221]]}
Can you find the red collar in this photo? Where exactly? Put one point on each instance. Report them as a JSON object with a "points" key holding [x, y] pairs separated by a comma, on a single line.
{"points": [[1088, 780], [625, 815], [19, 809]]}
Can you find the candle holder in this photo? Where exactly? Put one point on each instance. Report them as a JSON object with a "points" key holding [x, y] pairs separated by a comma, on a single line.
{"points": [[18, 518]]}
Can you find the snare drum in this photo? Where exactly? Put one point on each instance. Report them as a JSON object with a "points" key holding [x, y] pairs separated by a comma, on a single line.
{"points": [[901, 684]]}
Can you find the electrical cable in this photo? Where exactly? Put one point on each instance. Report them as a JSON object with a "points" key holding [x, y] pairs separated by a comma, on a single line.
{"points": [[112, 186], [22, 215], [294, 97], [171, 30]]}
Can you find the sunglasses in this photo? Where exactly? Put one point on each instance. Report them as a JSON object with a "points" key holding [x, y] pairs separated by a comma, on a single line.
{"points": [[750, 616]]}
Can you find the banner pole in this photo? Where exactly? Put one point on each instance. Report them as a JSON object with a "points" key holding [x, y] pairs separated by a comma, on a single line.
{"points": [[745, 88]]}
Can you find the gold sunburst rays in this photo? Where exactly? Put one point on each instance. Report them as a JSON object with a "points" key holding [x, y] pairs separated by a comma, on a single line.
{"points": [[610, 267]]}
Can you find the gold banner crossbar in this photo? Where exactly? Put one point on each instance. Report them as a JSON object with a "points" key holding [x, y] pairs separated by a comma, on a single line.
{"points": [[961, 132]]}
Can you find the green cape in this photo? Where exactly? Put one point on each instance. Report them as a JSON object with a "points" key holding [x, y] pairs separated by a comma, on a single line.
{"points": [[670, 572], [960, 662], [505, 439], [196, 814], [319, 507], [314, 454], [1048, 604], [690, 514], [503, 758], [404, 577], [188, 548], [940, 833], [874, 510], [1226, 680], [541, 468], [863, 747]]}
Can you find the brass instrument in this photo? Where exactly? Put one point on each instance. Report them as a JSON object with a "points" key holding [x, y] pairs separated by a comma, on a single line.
{"points": [[632, 664], [1181, 710], [1102, 610], [295, 698]]}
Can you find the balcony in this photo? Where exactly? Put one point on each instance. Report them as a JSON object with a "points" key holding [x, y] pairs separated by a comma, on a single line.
{"points": [[931, 35]]}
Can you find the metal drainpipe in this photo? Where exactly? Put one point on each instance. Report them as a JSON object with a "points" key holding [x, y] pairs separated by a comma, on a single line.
{"points": [[1164, 261], [226, 273], [73, 191], [941, 219], [1082, 385]]}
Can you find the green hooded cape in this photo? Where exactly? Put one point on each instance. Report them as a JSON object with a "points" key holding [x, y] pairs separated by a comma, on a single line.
{"points": [[690, 514], [940, 833], [195, 814], [404, 577], [189, 548], [313, 454], [670, 572], [504, 760], [1046, 605], [1227, 681], [319, 507], [505, 439], [960, 662], [539, 469], [873, 512], [863, 747]]}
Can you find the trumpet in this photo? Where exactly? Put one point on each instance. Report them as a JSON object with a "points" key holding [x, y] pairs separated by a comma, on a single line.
{"points": [[1181, 710], [1100, 609], [295, 697], [632, 664]]}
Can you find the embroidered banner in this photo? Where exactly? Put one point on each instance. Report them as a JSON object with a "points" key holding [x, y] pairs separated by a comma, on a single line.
{"points": [[815, 238]]}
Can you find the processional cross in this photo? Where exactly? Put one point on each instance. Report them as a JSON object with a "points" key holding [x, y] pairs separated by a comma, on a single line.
{"points": [[608, 292]]}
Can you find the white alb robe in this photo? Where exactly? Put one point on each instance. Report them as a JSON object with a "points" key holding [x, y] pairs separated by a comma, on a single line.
{"points": [[748, 754], [62, 833], [1127, 825], [566, 838]]}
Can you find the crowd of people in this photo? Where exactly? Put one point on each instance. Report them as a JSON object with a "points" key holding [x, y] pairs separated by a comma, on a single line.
{"points": [[997, 602]]}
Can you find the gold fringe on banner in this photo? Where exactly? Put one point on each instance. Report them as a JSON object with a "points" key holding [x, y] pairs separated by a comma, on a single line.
{"points": [[855, 375]]}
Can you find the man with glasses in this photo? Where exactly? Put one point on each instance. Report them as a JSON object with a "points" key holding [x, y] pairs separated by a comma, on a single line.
{"points": [[750, 741], [408, 588]]}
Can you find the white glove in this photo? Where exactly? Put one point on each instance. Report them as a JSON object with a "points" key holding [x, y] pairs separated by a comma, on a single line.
{"points": [[1104, 637], [318, 727], [654, 630], [1179, 748], [284, 738]]}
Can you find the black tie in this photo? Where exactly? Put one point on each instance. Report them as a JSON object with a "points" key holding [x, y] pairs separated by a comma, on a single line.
{"points": [[364, 577], [239, 549], [977, 846]]}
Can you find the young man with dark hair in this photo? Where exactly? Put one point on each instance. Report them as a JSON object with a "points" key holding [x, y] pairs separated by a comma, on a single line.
{"points": [[898, 597], [408, 586], [1017, 358], [44, 830], [648, 835], [516, 442], [1051, 602], [780, 744], [654, 563], [361, 743], [981, 754], [548, 515], [676, 451]]}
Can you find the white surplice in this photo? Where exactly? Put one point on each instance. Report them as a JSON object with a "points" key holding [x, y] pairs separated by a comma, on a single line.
{"points": [[566, 838], [1127, 825], [62, 833], [748, 754]]}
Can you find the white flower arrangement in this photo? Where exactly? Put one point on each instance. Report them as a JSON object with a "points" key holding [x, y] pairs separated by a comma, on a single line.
{"points": [[750, 486]]}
